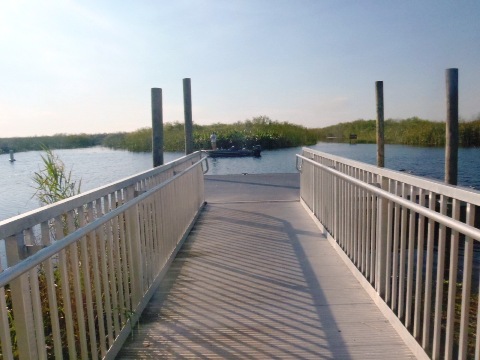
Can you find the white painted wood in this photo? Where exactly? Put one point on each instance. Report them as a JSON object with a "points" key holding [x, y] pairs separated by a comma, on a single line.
{"points": [[439, 289], [466, 288], [65, 286], [429, 275], [452, 283], [88, 260], [419, 270], [29, 219], [390, 228], [410, 262], [86, 266], [410, 289], [6, 345], [21, 302]]}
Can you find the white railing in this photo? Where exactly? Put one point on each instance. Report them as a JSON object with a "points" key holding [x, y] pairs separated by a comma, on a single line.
{"points": [[416, 242], [79, 272]]}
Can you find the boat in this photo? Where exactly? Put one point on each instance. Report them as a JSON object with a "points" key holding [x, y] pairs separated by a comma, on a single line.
{"points": [[233, 152]]}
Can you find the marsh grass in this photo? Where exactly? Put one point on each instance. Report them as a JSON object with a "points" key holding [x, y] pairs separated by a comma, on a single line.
{"points": [[261, 130], [52, 182]]}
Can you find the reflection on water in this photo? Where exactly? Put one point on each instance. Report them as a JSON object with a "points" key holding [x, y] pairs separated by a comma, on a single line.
{"points": [[100, 166]]}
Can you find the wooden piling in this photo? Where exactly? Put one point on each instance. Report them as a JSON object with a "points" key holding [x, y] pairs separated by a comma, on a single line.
{"points": [[157, 127], [187, 105], [451, 133], [380, 125]]}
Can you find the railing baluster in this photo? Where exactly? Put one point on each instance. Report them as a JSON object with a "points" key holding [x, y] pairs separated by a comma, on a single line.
{"points": [[362, 227], [95, 237], [437, 328], [21, 303], [452, 283], [368, 248], [419, 269], [102, 240], [373, 239], [466, 287], [382, 242], [60, 229], [396, 266], [410, 263], [5, 339], [390, 229], [86, 264], [111, 228], [429, 274], [118, 246], [402, 262], [72, 217], [50, 285], [355, 214]]}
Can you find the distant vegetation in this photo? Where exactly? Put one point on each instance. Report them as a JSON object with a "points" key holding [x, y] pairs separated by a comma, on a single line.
{"points": [[412, 131], [260, 130], [58, 141]]}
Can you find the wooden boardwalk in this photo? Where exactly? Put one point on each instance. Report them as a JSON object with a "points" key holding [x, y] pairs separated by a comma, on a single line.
{"points": [[257, 280]]}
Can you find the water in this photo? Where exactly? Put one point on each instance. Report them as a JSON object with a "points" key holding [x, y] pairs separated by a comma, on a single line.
{"points": [[94, 166], [100, 166]]}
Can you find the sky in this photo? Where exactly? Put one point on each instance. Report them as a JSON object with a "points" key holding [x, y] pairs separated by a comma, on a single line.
{"points": [[89, 66]]}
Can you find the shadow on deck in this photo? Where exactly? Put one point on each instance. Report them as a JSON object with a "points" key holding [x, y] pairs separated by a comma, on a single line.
{"points": [[256, 279]]}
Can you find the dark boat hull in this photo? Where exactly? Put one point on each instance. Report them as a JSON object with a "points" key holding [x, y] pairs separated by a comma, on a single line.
{"points": [[233, 153]]}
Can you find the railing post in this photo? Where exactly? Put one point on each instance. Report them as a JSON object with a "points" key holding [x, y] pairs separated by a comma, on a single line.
{"points": [[157, 127], [381, 241], [187, 105], [21, 301]]}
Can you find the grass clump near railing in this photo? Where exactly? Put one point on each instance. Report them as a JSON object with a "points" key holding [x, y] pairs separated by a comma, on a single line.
{"points": [[263, 131], [52, 182]]}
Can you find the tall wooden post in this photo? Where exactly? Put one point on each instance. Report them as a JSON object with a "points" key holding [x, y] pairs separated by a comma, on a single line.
{"points": [[380, 125], [451, 148], [157, 127], [187, 105]]}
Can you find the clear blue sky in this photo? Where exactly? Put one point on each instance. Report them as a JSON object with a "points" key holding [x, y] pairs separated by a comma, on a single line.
{"points": [[88, 66]]}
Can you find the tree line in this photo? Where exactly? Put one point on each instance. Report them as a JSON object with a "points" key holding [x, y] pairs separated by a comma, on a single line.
{"points": [[261, 130], [411, 131]]}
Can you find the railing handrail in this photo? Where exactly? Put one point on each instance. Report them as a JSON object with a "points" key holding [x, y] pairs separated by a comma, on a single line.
{"points": [[463, 228], [461, 193], [20, 268], [15, 224]]}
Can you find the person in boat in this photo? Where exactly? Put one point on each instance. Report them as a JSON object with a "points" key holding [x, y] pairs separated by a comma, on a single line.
{"points": [[213, 140]]}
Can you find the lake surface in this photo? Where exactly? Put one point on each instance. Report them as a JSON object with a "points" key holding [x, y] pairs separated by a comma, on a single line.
{"points": [[100, 166]]}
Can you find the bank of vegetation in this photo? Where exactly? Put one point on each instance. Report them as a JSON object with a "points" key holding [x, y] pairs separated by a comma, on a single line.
{"points": [[58, 141], [261, 130], [412, 131]]}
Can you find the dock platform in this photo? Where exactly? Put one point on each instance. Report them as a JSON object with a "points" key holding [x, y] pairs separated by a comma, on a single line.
{"points": [[256, 279]]}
